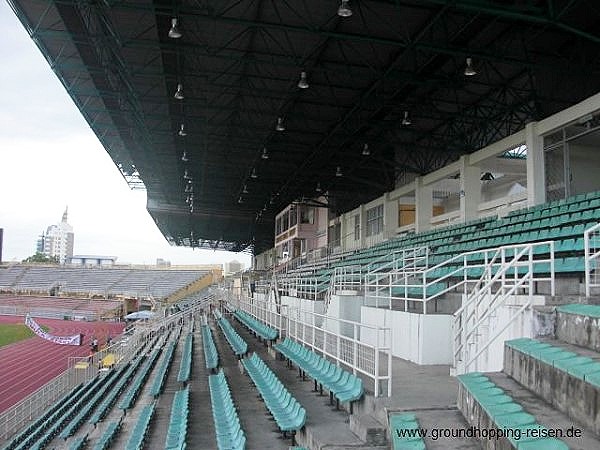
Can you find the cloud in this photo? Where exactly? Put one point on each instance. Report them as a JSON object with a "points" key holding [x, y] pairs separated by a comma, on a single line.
{"points": [[50, 158]]}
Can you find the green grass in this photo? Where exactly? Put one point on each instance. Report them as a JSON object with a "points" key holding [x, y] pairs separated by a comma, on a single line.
{"points": [[13, 332]]}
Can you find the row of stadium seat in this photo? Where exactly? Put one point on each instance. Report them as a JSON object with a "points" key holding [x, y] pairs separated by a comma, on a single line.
{"points": [[573, 363], [106, 438], [163, 369], [236, 342], [563, 221], [102, 410], [56, 422], [504, 413], [229, 433], [138, 434], [185, 366], [34, 428], [211, 355], [79, 443], [285, 409], [404, 430], [177, 430], [132, 393], [264, 331], [88, 407], [343, 385]]}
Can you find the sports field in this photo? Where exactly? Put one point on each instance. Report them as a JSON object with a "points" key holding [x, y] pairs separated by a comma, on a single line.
{"points": [[13, 332]]}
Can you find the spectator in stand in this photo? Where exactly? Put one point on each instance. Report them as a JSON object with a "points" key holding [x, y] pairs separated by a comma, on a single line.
{"points": [[94, 345], [108, 340]]}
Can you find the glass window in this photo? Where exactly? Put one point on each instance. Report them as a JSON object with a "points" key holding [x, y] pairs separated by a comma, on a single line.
{"points": [[286, 222], [357, 227], [375, 220], [293, 216], [307, 215]]}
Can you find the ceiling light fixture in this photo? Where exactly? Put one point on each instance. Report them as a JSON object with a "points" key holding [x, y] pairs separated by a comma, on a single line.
{"points": [[179, 92], [279, 126], [338, 171], [406, 120], [344, 9], [182, 131], [265, 153], [487, 176], [174, 32], [303, 83], [184, 157], [186, 175], [469, 69], [245, 190], [254, 175], [366, 151], [240, 200]]}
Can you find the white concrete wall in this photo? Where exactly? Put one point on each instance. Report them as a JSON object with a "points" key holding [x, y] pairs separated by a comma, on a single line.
{"points": [[423, 339]]}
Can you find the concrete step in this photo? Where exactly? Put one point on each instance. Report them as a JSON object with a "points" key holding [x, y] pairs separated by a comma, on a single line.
{"points": [[543, 412], [579, 328], [562, 384], [369, 430]]}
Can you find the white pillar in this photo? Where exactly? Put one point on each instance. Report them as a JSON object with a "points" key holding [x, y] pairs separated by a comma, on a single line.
{"points": [[536, 177], [390, 216], [423, 205], [470, 190], [363, 226], [343, 219]]}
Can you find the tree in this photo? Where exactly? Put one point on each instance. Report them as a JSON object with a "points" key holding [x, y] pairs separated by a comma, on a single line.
{"points": [[41, 258]]}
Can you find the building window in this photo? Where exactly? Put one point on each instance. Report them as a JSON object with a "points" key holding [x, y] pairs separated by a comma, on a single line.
{"points": [[307, 215], [357, 227], [293, 216], [375, 220], [286, 223]]}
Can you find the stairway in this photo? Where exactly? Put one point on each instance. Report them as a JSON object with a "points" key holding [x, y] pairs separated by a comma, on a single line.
{"points": [[556, 380], [261, 432]]}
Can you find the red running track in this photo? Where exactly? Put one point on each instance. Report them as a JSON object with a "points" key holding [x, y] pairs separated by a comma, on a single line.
{"points": [[27, 365]]}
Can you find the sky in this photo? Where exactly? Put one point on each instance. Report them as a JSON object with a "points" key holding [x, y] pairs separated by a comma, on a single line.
{"points": [[50, 158]]}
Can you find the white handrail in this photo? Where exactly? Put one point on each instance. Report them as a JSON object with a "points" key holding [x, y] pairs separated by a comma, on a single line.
{"points": [[455, 276], [591, 257], [484, 300], [349, 348]]}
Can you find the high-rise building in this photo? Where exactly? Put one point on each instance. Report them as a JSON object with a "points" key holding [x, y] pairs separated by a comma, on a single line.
{"points": [[58, 240]]}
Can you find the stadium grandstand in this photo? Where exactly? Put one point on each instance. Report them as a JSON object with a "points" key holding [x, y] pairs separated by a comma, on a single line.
{"points": [[155, 284], [417, 183]]}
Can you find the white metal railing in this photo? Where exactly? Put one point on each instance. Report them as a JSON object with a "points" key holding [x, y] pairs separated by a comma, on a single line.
{"points": [[591, 242], [335, 338], [311, 288], [341, 341], [411, 259], [456, 274], [347, 278], [508, 276], [385, 271], [267, 312]]}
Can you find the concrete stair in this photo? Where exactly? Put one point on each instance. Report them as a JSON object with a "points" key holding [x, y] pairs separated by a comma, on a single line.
{"points": [[555, 379]]}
